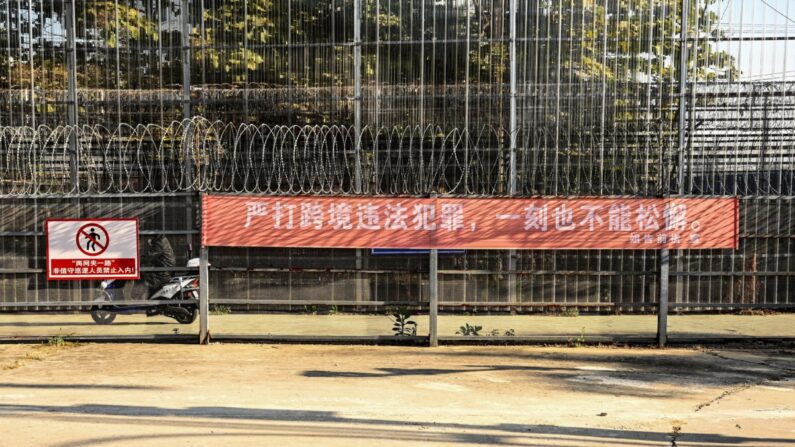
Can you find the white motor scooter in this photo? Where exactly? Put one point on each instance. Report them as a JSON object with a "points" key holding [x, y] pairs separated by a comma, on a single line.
{"points": [[180, 288]]}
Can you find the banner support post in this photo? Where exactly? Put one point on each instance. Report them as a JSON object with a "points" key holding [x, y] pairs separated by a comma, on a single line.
{"points": [[433, 311], [204, 295], [662, 309]]}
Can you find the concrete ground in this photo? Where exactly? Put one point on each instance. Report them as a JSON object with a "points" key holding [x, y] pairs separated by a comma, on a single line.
{"points": [[297, 395], [680, 326]]}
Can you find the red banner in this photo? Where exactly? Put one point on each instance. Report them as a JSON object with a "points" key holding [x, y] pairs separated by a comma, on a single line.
{"points": [[450, 223]]}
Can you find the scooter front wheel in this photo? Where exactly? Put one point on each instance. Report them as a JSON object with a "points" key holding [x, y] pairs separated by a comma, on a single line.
{"points": [[102, 315]]}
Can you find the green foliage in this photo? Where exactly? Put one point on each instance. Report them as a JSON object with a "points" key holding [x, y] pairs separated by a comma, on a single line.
{"points": [[403, 325], [496, 332], [570, 312], [579, 340], [468, 330], [629, 46], [220, 309], [57, 341], [119, 23]]}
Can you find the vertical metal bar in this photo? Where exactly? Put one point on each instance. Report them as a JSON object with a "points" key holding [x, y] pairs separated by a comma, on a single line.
{"points": [[118, 61], [357, 121], [245, 63], [186, 114], [603, 110], [71, 94], [160, 61], [433, 307], [683, 94], [513, 122], [466, 99], [32, 71], [558, 65], [204, 296], [357, 80], [514, 130], [184, 13], [683, 57], [662, 311], [9, 56], [422, 72]]}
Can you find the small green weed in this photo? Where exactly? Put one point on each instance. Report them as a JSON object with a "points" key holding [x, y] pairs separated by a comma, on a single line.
{"points": [[579, 341], [403, 325], [497, 333], [220, 309], [57, 341], [468, 330]]}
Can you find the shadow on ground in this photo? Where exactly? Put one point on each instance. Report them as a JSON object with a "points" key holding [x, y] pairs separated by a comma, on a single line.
{"points": [[320, 424], [621, 374], [79, 386]]}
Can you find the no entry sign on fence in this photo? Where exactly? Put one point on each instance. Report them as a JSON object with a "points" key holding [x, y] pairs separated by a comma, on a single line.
{"points": [[451, 223], [92, 249]]}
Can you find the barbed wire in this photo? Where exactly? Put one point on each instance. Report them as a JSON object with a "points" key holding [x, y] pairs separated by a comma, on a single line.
{"points": [[214, 156]]}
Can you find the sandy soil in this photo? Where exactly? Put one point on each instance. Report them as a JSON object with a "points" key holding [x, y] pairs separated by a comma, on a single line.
{"points": [[687, 326], [296, 395]]}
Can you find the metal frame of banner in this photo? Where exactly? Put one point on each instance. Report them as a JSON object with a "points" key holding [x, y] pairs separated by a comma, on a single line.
{"points": [[662, 305], [204, 282], [204, 296]]}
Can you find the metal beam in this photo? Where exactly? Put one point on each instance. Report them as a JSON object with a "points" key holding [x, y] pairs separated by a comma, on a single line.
{"points": [[433, 307], [662, 309], [682, 146], [514, 131], [204, 297]]}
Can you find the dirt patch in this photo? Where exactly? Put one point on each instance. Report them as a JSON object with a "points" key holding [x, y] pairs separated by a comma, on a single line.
{"points": [[25, 354], [396, 396]]}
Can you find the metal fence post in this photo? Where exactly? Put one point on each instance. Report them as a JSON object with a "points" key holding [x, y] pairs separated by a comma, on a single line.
{"points": [[204, 296], [188, 141], [357, 124], [682, 95], [433, 310], [357, 100], [662, 311], [514, 130], [71, 94]]}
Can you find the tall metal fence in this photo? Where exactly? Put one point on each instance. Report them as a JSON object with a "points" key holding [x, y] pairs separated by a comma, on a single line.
{"points": [[133, 107]]}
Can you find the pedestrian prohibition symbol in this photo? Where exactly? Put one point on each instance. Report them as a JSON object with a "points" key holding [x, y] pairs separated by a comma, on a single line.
{"points": [[79, 249], [92, 239]]}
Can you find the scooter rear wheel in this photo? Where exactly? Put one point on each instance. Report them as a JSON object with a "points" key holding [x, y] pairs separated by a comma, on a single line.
{"points": [[102, 315], [187, 319]]}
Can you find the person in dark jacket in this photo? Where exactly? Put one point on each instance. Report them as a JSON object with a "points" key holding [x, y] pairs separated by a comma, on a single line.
{"points": [[158, 254]]}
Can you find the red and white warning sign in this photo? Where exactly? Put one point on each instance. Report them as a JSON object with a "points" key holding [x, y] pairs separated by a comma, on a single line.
{"points": [[92, 249]]}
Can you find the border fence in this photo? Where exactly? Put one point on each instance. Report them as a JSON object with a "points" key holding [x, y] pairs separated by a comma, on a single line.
{"points": [[135, 107]]}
